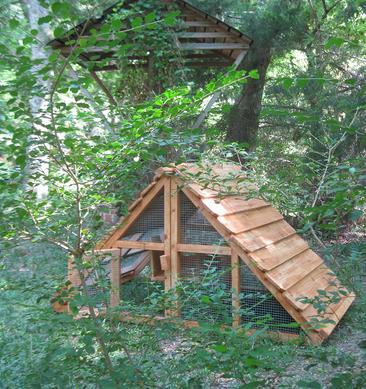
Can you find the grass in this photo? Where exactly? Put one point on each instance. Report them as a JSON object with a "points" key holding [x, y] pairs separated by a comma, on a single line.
{"points": [[42, 349]]}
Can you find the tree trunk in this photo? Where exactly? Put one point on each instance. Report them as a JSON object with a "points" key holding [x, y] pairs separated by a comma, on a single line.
{"points": [[243, 120]]}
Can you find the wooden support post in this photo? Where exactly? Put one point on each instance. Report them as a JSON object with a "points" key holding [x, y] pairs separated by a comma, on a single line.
{"points": [[235, 281], [167, 234], [103, 87], [174, 236], [115, 279]]}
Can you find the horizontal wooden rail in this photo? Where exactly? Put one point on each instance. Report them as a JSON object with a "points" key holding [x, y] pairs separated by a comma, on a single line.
{"points": [[213, 34], [213, 46], [202, 249], [129, 244], [198, 23]]}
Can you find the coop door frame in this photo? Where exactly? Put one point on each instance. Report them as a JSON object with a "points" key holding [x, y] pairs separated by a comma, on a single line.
{"points": [[176, 247]]}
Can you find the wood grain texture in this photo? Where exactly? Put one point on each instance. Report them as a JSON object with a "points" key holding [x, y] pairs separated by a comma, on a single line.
{"points": [[231, 205], [249, 220], [319, 279], [294, 270], [264, 236], [277, 253]]}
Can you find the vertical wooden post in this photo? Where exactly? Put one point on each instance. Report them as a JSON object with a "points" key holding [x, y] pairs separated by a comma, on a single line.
{"points": [[167, 234], [115, 279], [175, 234], [235, 281]]}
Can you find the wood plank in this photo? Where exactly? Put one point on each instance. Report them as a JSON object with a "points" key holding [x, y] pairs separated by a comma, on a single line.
{"points": [[199, 23], [201, 192], [294, 270], [210, 34], [167, 231], [277, 253], [263, 236], [249, 220], [165, 262], [147, 189], [113, 252], [319, 279], [203, 249], [235, 284], [115, 281], [334, 312], [231, 205], [174, 237], [213, 46], [129, 244]]}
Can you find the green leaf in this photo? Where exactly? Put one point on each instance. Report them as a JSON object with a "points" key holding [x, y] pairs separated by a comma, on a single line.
{"points": [[21, 161], [355, 214], [61, 9], [302, 82], [206, 299], [149, 18], [253, 385], [27, 40], [13, 23], [335, 41], [136, 22], [254, 74], [116, 24], [220, 348], [58, 32], [287, 83], [309, 384], [171, 18], [44, 19]]}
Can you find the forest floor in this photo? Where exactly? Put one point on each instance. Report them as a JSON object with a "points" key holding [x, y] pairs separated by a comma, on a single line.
{"points": [[30, 332]]}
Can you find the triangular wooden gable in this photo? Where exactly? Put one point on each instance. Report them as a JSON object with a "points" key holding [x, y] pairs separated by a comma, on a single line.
{"points": [[280, 259]]}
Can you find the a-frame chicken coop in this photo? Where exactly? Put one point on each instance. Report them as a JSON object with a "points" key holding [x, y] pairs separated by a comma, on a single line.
{"points": [[178, 224]]}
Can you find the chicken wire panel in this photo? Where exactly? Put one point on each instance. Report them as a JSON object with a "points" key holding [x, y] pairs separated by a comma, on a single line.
{"points": [[98, 281], [206, 287], [149, 226], [194, 227], [98, 285], [259, 306]]}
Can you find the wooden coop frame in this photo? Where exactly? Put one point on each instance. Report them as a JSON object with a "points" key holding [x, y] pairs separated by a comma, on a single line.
{"points": [[202, 39], [255, 236]]}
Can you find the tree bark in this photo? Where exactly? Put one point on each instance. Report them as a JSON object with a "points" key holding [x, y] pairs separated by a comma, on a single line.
{"points": [[243, 121]]}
